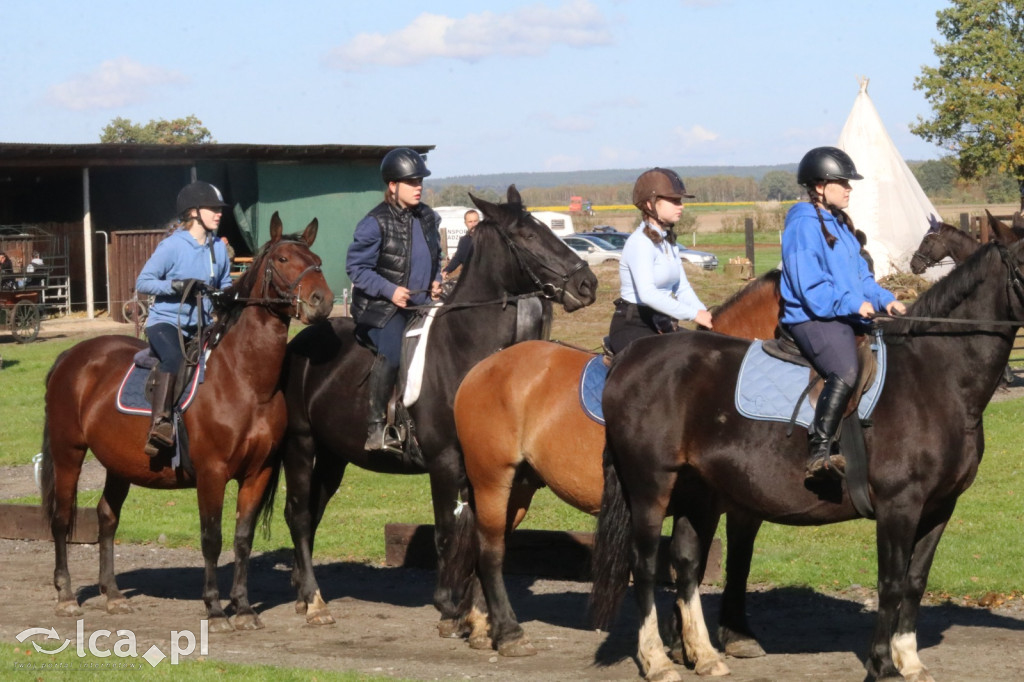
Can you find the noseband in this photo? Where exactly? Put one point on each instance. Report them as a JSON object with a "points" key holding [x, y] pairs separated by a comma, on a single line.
{"points": [[928, 260], [547, 290], [284, 291]]}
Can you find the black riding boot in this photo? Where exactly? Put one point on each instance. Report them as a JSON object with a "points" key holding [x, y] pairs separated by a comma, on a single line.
{"points": [[827, 416], [382, 383], [161, 430]]}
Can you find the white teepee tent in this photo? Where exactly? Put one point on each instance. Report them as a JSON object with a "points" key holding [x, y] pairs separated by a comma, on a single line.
{"points": [[888, 204]]}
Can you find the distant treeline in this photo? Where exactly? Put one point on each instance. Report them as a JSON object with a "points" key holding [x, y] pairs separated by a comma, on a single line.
{"points": [[939, 179]]}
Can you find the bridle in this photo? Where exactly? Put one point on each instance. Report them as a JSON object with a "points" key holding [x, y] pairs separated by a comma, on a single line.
{"points": [[928, 260], [547, 290], [283, 290]]}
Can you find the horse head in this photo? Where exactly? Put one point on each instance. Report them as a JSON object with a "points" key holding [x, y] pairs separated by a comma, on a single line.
{"points": [[1001, 232], [541, 261], [930, 251], [285, 276]]}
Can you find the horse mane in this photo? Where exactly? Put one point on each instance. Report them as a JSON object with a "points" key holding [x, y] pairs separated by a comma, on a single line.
{"points": [[946, 294], [769, 279]]}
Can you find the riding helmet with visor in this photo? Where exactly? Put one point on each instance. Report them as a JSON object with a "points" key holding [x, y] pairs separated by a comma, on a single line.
{"points": [[403, 164], [199, 194], [824, 164], [658, 182]]}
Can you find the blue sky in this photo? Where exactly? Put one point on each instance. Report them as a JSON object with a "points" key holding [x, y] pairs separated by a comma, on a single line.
{"points": [[520, 86]]}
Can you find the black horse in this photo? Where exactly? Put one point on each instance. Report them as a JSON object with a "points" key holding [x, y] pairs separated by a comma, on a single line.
{"points": [[677, 445], [514, 256]]}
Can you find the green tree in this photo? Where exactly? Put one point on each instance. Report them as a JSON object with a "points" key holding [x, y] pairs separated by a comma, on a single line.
{"points": [[937, 178], [779, 186], [188, 130], [977, 91]]}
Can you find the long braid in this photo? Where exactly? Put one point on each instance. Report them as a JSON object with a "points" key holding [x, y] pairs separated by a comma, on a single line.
{"points": [[839, 214]]}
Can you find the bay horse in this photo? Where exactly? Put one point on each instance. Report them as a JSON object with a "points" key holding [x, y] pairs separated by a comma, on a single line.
{"points": [[234, 423], [521, 431], [514, 257], [677, 445]]}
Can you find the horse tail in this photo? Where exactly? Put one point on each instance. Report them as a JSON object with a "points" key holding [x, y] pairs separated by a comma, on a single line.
{"points": [[265, 510], [612, 548], [459, 572], [47, 475]]}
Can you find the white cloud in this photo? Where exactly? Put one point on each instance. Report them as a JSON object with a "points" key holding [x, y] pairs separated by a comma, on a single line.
{"points": [[115, 83], [527, 31], [694, 136]]}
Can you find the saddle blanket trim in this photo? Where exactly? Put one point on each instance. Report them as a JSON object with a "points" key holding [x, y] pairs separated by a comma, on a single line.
{"points": [[767, 388], [131, 393]]}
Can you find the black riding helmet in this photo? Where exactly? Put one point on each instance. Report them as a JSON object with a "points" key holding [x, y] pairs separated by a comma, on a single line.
{"points": [[199, 194], [403, 164], [826, 163]]}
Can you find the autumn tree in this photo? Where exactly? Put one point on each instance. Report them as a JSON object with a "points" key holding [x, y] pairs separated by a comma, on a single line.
{"points": [[977, 90], [188, 130]]}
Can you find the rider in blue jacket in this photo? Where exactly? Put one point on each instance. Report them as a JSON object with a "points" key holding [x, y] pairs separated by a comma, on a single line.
{"points": [[187, 261], [828, 293]]}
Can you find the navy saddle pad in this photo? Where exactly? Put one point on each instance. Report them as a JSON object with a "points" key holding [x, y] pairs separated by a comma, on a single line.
{"points": [[591, 386], [131, 396], [768, 388]]}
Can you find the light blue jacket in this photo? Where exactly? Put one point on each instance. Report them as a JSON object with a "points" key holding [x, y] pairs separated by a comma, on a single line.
{"points": [[823, 283], [180, 256], [652, 274]]}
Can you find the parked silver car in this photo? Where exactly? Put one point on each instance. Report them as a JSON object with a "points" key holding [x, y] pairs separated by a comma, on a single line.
{"points": [[594, 250], [701, 259]]}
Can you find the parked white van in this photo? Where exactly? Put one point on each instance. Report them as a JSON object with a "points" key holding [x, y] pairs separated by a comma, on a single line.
{"points": [[560, 223]]}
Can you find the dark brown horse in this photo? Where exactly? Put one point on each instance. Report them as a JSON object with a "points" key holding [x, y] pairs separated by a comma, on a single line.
{"points": [[677, 445], [234, 424], [521, 430], [947, 241], [515, 259]]}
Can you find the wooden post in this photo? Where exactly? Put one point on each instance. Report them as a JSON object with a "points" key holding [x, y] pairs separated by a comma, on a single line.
{"points": [[748, 226], [965, 222]]}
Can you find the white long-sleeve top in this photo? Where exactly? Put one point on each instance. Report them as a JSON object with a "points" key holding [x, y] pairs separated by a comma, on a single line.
{"points": [[652, 275]]}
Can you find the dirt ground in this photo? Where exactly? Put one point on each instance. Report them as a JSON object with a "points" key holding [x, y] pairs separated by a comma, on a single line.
{"points": [[386, 623]]}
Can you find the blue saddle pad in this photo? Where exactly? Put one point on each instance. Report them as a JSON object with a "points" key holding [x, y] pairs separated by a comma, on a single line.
{"points": [[591, 387], [768, 388], [131, 395]]}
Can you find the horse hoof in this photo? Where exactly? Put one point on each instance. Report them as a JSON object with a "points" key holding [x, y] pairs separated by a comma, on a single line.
{"points": [[519, 647], [744, 648], [450, 627], [68, 609], [248, 621], [664, 675], [715, 668], [322, 618], [481, 642], [221, 624], [119, 606]]}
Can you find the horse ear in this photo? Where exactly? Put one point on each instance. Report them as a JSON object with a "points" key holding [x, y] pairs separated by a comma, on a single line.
{"points": [[309, 234], [513, 195], [1000, 230], [275, 227], [487, 208]]}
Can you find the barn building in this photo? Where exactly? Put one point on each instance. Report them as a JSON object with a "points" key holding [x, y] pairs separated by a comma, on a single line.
{"points": [[106, 205]]}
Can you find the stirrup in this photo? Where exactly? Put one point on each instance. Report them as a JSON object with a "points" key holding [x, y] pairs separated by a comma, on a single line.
{"points": [[157, 439], [385, 440]]}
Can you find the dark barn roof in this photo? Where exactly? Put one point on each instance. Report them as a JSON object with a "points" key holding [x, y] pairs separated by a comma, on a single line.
{"points": [[79, 155]]}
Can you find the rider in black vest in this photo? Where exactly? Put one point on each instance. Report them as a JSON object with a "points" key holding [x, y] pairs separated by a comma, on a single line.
{"points": [[394, 261]]}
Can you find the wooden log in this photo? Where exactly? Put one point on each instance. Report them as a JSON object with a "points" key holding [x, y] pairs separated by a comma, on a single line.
{"points": [[543, 553], [26, 522]]}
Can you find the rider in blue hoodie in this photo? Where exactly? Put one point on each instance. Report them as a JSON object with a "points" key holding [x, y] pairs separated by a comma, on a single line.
{"points": [[187, 261], [828, 293]]}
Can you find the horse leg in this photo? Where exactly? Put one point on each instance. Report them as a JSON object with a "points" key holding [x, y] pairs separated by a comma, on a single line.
{"points": [[498, 512], [904, 640], [734, 631], [691, 542], [61, 484], [210, 491], [115, 490], [250, 495], [654, 663], [304, 507], [895, 533], [454, 540]]}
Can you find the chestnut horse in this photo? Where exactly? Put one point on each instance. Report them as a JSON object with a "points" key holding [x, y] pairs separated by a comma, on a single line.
{"points": [[234, 423], [676, 444], [515, 260], [523, 430]]}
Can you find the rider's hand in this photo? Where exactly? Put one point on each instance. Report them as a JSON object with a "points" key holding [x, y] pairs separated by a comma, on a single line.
{"points": [[435, 290], [896, 307], [703, 318], [400, 297], [179, 286], [866, 310]]}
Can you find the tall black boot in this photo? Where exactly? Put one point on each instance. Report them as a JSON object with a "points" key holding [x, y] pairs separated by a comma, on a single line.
{"points": [[161, 429], [382, 383], [828, 414]]}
